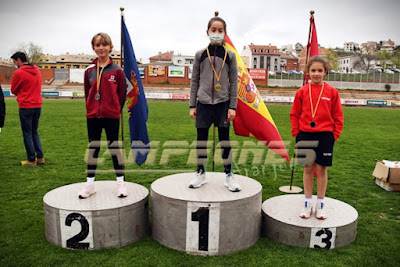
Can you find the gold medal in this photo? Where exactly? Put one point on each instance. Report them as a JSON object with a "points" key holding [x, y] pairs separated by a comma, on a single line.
{"points": [[218, 76]]}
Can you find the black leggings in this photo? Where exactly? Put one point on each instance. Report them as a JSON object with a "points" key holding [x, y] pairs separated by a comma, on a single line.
{"points": [[223, 136], [95, 127]]}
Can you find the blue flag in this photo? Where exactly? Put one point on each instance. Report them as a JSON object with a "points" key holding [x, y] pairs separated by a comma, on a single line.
{"points": [[135, 101]]}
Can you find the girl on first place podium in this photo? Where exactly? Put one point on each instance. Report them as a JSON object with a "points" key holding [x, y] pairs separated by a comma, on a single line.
{"points": [[213, 99]]}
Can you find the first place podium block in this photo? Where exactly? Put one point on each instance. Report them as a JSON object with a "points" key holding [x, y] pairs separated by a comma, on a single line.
{"points": [[100, 221], [209, 220]]}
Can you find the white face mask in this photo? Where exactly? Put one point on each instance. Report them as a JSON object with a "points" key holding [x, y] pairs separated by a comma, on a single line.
{"points": [[216, 38]]}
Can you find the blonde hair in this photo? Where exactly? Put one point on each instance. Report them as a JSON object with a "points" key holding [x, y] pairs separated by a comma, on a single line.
{"points": [[105, 39]]}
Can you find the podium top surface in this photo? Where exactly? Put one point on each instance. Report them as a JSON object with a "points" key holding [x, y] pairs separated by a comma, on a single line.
{"points": [[286, 209], [177, 187], [67, 197]]}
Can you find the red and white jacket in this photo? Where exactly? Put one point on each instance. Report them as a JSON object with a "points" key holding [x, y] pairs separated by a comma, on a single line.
{"points": [[112, 91], [26, 84], [328, 117]]}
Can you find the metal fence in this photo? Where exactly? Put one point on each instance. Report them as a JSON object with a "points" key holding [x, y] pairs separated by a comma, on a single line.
{"points": [[368, 81]]}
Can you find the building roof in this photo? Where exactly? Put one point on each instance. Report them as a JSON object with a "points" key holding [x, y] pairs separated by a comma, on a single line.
{"points": [[265, 48], [167, 56]]}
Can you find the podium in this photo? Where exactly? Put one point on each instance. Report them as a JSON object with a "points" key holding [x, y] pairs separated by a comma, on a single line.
{"points": [[282, 223], [210, 220], [100, 221]]}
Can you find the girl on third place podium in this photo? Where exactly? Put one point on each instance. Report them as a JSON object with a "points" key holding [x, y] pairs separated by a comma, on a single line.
{"points": [[105, 92], [213, 99], [317, 115]]}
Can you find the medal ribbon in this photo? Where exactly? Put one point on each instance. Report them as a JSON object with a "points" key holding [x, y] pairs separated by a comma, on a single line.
{"points": [[313, 112], [101, 72], [223, 63]]}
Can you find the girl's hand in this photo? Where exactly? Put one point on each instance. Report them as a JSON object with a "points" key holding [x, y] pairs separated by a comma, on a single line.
{"points": [[231, 115], [193, 113]]}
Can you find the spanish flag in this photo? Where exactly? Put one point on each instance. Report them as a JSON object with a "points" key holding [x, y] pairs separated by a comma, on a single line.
{"points": [[252, 116]]}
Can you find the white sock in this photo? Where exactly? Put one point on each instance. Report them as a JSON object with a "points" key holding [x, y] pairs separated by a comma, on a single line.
{"points": [[120, 179], [90, 180], [309, 201], [320, 201]]}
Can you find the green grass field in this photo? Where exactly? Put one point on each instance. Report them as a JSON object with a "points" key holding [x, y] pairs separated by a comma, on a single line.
{"points": [[369, 133]]}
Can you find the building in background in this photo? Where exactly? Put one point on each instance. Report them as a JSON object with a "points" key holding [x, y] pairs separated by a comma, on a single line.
{"points": [[289, 62], [262, 57], [350, 47], [180, 60], [165, 58], [73, 61]]}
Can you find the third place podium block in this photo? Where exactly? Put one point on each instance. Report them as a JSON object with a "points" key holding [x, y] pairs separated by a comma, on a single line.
{"points": [[282, 223]]}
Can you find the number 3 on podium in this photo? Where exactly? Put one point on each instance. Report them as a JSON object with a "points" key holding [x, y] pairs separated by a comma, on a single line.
{"points": [[323, 238]]}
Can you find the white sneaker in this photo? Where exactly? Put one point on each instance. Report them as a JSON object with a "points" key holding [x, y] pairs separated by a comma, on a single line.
{"points": [[198, 181], [306, 211], [321, 212], [231, 183], [87, 190], [122, 191]]}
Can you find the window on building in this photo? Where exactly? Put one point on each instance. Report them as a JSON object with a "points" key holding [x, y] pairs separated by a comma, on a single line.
{"points": [[53, 67], [254, 50], [255, 60], [267, 50], [179, 61], [261, 50], [76, 66]]}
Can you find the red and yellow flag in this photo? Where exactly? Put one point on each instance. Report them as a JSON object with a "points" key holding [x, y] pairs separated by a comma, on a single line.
{"points": [[252, 116]]}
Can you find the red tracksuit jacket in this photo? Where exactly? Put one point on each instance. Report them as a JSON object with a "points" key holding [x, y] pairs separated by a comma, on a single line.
{"points": [[328, 117], [112, 91]]}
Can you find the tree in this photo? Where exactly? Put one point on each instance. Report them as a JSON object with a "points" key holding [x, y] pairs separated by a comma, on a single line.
{"points": [[396, 57], [32, 51], [385, 58], [365, 61], [332, 58]]}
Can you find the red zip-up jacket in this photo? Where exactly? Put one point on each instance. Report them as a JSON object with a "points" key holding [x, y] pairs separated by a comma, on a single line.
{"points": [[112, 91], [328, 117], [26, 84]]}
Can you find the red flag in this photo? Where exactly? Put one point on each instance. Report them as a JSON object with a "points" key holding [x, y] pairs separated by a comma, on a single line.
{"points": [[312, 45], [313, 42], [252, 116], [312, 51]]}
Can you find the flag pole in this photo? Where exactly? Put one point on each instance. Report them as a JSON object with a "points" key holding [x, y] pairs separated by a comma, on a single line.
{"points": [[121, 59], [308, 45], [291, 188]]}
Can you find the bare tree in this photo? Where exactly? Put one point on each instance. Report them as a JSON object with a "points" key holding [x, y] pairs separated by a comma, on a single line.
{"points": [[365, 61], [32, 51]]}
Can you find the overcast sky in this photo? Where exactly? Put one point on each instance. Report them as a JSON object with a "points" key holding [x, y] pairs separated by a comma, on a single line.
{"points": [[61, 26]]}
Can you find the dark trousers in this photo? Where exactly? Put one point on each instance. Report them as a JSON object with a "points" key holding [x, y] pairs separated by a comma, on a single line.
{"points": [[29, 118], [95, 126], [223, 136]]}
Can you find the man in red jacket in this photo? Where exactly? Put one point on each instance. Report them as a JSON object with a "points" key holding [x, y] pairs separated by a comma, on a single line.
{"points": [[26, 84]]}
